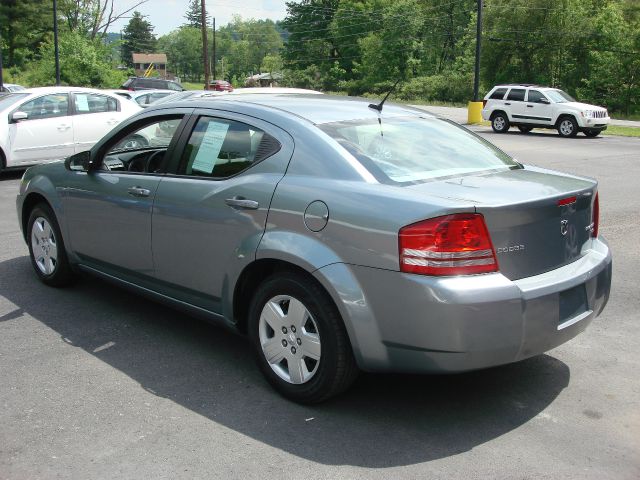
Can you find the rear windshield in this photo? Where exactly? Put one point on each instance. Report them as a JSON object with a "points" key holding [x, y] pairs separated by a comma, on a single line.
{"points": [[416, 149], [8, 99]]}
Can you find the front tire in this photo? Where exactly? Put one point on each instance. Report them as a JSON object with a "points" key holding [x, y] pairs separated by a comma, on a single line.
{"points": [[46, 248], [300, 342], [567, 127], [594, 132], [500, 122]]}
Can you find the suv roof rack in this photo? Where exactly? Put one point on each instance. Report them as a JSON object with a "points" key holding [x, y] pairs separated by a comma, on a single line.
{"points": [[520, 85]]}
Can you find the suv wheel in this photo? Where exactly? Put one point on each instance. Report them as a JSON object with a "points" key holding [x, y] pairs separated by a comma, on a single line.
{"points": [[500, 122], [567, 127], [594, 132]]}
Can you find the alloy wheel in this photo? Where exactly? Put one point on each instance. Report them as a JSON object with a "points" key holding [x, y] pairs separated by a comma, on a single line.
{"points": [[44, 246], [289, 339]]}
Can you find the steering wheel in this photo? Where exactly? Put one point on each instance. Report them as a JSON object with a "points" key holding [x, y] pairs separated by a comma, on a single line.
{"points": [[137, 164], [155, 161]]}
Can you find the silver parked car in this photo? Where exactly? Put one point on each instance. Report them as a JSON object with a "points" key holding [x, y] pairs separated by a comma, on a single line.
{"points": [[336, 236]]}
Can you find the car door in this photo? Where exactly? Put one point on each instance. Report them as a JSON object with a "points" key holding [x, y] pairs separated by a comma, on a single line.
{"points": [[108, 210], [538, 108], [46, 134], [515, 105], [209, 217], [94, 115]]}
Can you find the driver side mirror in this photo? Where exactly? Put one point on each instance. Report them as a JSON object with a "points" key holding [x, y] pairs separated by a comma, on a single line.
{"points": [[544, 100], [80, 162], [17, 116]]}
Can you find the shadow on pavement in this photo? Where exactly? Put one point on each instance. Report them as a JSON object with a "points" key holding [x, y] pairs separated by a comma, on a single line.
{"points": [[383, 421]]}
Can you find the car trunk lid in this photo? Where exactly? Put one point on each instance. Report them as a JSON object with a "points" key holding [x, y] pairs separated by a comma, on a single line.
{"points": [[538, 220]]}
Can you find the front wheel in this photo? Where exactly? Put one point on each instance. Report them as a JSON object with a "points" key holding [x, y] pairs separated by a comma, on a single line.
{"points": [[594, 132], [300, 342], [500, 123], [567, 127], [46, 248]]}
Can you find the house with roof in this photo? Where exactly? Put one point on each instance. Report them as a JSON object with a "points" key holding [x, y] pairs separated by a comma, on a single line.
{"points": [[141, 62]]}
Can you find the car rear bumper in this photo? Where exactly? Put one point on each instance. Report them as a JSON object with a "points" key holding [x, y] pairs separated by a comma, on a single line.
{"points": [[413, 323]]}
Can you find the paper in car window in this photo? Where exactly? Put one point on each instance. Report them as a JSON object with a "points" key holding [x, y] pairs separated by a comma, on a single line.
{"points": [[210, 146], [82, 104]]}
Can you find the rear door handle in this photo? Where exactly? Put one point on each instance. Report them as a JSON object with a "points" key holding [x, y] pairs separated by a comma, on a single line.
{"points": [[507, 103], [529, 106], [63, 126], [241, 202], [139, 192], [113, 121]]}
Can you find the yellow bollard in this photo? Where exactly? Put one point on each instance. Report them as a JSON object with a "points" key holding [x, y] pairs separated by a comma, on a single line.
{"points": [[474, 112]]}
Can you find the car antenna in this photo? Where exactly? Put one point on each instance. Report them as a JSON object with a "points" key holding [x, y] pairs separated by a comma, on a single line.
{"points": [[378, 107]]}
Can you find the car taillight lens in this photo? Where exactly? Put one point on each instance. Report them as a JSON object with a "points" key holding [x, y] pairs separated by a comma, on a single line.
{"points": [[484, 103], [595, 217], [451, 245]]}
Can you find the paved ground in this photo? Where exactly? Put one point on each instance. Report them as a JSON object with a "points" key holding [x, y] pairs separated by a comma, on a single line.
{"points": [[97, 383], [460, 115]]}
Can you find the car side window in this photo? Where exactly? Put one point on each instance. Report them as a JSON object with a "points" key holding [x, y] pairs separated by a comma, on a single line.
{"points": [[174, 86], [219, 148], [93, 103], [498, 94], [142, 99], [516, 94], [535, 96], [47, 106]]}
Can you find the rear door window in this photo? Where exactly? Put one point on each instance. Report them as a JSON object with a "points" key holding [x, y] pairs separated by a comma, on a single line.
{"points": [[220, 148], [516, 94]]}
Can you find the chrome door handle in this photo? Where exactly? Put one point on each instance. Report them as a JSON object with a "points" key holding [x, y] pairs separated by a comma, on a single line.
{"points": [[62, 127], [139, 192], [507, 103], [529, 106], [241, 202], [113, 121]]}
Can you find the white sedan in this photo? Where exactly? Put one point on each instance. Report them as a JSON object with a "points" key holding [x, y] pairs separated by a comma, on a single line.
{"points": [[40, 125]]}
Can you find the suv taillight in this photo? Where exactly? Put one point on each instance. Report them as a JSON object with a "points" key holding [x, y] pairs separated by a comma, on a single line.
{"points": [[451, 245], [484, 103], [595, 216]]}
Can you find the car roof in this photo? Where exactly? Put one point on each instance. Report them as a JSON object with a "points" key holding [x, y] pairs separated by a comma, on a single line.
{"points": [[45, 90], [317, 109]]}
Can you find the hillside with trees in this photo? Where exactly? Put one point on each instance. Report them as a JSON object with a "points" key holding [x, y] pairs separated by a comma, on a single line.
{"points": [[591, 48]]}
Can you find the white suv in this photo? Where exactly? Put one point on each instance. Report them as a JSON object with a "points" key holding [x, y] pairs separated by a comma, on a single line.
{"points": [[532, 106]]}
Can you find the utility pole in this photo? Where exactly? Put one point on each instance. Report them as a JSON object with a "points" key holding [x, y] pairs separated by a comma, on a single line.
{"points": [[213, 57], [476, 78], [1, 81], [55, 40], [205, 49]]}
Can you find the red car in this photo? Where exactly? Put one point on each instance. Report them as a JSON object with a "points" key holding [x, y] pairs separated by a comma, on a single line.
{"points": [[219, 86]]}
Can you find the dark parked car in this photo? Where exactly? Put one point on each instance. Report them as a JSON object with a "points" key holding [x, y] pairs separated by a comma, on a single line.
{"points": [[144, 83], [338, 237]]}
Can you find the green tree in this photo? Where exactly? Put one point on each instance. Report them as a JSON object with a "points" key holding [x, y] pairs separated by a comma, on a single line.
{"points": [[24, 26], [184, 52], [137, 37], [82, 63], [193, 15]]}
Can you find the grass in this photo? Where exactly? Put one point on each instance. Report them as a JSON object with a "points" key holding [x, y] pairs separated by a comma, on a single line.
{"points": [[193, 86], [622, 131]]}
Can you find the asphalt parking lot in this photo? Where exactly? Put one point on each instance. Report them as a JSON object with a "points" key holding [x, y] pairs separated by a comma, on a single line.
{"points": [[98, 383]]}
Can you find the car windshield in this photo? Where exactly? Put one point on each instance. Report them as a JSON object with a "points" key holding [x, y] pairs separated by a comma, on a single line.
{"points": [[416, 149], [558, 96], [8, 99]]}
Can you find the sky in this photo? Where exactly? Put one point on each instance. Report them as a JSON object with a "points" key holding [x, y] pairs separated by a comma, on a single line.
{"points": [[167, 15]]}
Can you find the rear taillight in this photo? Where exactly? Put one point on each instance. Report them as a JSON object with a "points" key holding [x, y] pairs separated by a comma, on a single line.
{"points": [[451, 245], [595, 217], [484, 103]]}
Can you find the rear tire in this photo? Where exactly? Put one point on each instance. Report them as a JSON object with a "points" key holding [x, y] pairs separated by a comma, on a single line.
{"points": [[500, 122], [299, 339], [46, 248], [567, 127], [525, 129]]}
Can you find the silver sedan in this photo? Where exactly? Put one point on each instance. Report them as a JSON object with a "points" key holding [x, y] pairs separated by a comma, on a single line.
{"points": [[337, 235]]}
